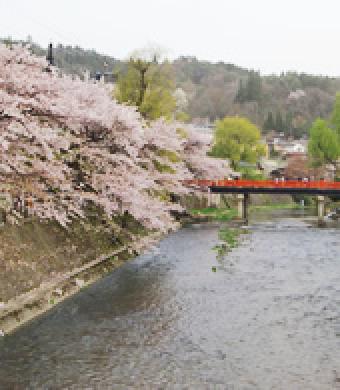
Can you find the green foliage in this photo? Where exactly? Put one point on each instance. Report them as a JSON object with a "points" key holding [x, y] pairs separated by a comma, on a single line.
{"points": [[274, 154], [182, 116], [323, 146], [163, 195], [181, 133], [149, 86], [324, 143], [269, 123], [169, 154], [252, 90], [221, 214], [128, 89], [229, 238], [279, 123], [163, 168], [251, 174], [238, 140], [289, 123], [335, 118], [241, 93]]}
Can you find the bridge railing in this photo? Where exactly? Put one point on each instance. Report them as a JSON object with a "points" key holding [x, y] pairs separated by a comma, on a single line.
{"points": [[244, 183]]}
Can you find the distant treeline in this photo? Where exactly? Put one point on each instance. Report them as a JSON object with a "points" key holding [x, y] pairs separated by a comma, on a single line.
{"points": [[288, 102]]}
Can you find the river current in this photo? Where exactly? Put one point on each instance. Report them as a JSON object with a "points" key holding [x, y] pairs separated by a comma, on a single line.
{"points": [[268, 318]]}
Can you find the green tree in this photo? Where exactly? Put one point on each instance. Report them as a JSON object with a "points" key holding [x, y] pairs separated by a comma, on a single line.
{"points": [[238, 140], [335, 118], [289, 123], [149, 86], [279, 124], [182, 116], [254, 87], [323, 146], [269, 123], [241, 93], [252, 90]]}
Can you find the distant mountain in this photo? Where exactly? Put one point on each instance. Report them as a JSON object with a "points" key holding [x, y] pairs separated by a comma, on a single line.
{"points": [[288, 102]]}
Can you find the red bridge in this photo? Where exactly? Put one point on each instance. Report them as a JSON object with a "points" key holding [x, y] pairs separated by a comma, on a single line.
{"points": [[245, 187], [320, 187]]}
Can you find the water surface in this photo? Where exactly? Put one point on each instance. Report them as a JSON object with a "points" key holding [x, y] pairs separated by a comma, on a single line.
{"points": [[269, 318]]}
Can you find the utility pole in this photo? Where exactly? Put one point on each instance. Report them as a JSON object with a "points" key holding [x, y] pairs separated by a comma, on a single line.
{"points": [[49, 56]]}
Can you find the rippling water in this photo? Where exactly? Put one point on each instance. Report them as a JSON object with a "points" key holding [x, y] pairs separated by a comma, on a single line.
{"points": [[269, 318]]}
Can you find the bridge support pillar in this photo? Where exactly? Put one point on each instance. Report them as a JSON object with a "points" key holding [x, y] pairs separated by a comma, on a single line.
{"points": [[320, 200], [217, 200], [214, 200], [209, 197], [242, 206]]}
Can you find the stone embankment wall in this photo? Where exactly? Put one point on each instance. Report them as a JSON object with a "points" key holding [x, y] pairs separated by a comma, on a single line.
{"points": [[42, 263]]}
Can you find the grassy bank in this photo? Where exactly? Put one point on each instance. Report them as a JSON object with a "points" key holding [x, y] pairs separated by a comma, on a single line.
{"points": [[217, 214], [224, 214]]}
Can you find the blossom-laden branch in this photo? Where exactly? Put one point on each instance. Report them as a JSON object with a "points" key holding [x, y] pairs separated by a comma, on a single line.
{"points": [[67, 144]]}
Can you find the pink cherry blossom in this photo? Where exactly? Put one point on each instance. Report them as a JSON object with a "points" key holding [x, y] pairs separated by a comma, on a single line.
{"points": [[65, 144]]}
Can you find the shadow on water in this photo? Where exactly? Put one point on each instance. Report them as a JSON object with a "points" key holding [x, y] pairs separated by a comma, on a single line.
{"points": [[166, 320]]}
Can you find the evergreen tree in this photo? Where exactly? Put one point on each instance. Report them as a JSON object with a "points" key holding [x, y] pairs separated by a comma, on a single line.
{"points": [[252, 90], [241, 93], [254, 87], [269, 123], [279, 125], [335, 119], [289, 123]]}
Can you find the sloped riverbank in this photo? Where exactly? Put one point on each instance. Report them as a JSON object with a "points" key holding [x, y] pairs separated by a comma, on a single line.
{"points": [[44, 263]]}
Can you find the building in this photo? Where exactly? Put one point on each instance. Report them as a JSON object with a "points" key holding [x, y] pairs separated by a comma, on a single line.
{"points": [[283, 147]]}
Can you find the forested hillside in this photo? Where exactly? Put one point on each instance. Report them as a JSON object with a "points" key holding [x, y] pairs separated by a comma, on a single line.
{"points": [[287, 102]]}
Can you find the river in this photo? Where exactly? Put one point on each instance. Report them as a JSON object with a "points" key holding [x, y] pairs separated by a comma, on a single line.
{"points": [[268, 318]]}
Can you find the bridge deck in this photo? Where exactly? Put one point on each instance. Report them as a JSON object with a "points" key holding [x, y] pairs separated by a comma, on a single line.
{"points": [[319, 187]]}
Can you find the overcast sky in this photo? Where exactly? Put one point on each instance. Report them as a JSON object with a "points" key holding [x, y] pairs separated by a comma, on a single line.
{"points": [[266, 35]]}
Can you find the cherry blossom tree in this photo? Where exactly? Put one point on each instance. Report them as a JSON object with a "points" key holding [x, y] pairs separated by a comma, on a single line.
{"points": [[65, 145]]}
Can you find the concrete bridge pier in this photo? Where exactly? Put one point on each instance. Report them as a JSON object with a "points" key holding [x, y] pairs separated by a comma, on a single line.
{"points": [[242, 206], [320, 201], [214, 200], [209, 198]]}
